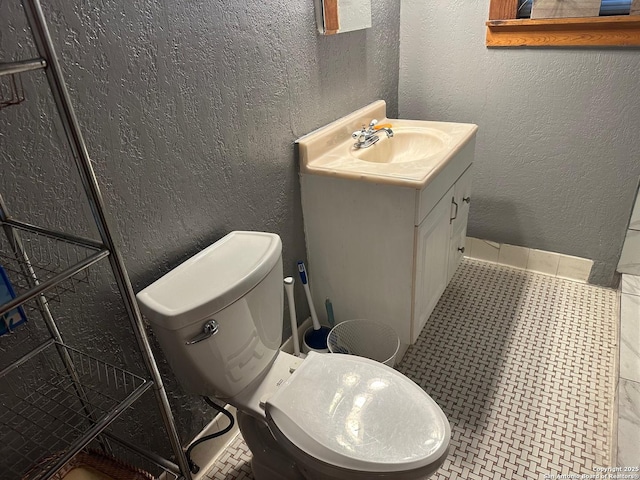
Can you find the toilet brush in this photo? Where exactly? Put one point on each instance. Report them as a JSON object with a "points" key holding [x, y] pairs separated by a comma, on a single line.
{"points": [[316, 337], [288, 287]]}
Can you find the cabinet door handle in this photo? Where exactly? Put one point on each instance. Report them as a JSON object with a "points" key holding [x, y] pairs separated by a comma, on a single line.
{"points": [[466, 199], [455, 215], [461, 249]]}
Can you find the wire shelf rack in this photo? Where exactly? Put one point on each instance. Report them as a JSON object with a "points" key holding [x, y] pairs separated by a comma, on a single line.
{"points": [[11, 88], [39, 261], [11, 91], [49, 413], [136, 456], [54, 403], [25, 337]]}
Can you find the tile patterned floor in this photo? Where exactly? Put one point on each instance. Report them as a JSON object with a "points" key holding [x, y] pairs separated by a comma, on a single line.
{"points": [[234, 463], [522, 365]]}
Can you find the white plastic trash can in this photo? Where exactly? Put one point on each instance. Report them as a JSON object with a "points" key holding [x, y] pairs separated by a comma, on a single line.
{"points": [[365, 338]]}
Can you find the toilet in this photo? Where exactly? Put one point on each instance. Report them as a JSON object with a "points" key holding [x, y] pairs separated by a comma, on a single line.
{"points": [[218, 318]]}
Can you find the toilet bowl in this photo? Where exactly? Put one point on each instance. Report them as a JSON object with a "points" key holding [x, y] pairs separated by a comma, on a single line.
{"points": [[218, 318]]}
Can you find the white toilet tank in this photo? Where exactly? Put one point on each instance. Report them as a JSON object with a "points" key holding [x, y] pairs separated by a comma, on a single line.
{"points": [[237, 283]]}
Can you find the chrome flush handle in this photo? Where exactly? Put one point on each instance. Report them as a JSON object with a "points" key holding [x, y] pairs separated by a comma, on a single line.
{"points": [[208, 329]]}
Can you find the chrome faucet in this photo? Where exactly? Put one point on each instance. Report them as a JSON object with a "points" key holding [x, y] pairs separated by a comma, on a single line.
{"points": [[367, 136]]}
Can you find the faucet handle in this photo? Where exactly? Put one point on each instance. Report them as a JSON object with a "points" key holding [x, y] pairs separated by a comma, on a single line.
{"points": [[360, 132], [373, 123]]}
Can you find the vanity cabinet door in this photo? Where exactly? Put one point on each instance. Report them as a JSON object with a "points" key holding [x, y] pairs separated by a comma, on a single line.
{"points": [[460, 203], [456, 251], [433, 237], [462, 197]]}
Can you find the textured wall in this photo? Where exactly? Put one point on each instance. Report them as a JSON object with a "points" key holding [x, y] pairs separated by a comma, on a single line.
{"points": [[558, 150], [190, 111]]}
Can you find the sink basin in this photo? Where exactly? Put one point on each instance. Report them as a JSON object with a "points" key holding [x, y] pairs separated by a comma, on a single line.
{"points": [[418, 151], [406, 145]]}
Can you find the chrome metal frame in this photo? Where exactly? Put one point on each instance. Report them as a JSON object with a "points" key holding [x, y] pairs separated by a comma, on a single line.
{"points": [[107, 249], [11, 68], [53, 412]]}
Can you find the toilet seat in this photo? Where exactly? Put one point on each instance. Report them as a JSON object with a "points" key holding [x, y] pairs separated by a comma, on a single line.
{"points": [[357, 414]]}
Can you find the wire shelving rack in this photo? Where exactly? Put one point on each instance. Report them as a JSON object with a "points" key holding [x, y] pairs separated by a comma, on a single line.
{"points": [[76, 396]]}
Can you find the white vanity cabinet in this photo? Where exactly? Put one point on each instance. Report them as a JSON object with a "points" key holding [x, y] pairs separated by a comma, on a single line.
{"points": [[386, 252]]}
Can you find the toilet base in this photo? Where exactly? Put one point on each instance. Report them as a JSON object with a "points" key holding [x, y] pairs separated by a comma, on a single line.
{"points": [[272, 462], [269, 461]]}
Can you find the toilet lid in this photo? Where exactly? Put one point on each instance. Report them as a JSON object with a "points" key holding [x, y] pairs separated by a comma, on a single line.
{"points": [[359, 414]]}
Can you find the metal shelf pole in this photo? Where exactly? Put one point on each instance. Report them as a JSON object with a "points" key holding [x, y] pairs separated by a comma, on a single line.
{"points": [[42, 37]]}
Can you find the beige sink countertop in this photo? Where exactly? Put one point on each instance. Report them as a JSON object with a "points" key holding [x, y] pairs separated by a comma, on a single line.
{"points": [[329, 150]]}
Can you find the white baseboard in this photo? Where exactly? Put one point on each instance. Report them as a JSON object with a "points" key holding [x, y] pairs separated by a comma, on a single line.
{"points": [[539, 261]]}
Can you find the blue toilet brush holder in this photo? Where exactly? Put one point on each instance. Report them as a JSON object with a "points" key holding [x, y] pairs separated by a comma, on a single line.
{"points": [[315, 340]]}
